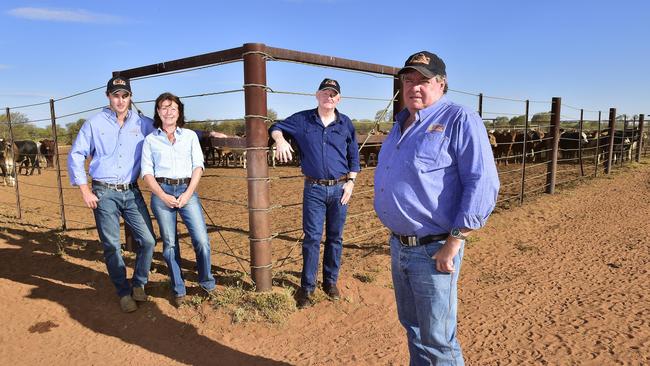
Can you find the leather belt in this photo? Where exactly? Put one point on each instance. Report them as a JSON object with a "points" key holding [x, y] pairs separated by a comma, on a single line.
{"points": [[326, 182], [172, 181], [116, 187], [413, 241]]}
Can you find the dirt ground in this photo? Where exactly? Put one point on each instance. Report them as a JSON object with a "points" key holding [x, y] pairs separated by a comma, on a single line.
{"points": [[562, 280]]}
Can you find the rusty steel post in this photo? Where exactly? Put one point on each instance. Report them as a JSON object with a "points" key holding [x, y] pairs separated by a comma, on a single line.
{"points": [[612, 131], [597, 156], [580, 128], [398, 103], [16, 171], [57, 165], [640, 144], [257, 169], [551, 169], [480, 104], [523, 158]]}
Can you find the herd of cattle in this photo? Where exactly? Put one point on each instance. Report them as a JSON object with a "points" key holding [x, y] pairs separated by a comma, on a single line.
{"points": [[25, 154], [507, 146]]}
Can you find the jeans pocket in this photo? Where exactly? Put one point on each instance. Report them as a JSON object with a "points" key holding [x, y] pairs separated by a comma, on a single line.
{"points": [[433, 248]]}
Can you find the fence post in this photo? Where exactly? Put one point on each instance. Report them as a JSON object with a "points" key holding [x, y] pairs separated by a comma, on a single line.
{"points": [[580, 128], [523, 158], [16, 171], [623, 140], [640, 144], [551, 169], [398, 103], [612, 131], [598, 137], [480, 104], [57, 165], [257, 168]]}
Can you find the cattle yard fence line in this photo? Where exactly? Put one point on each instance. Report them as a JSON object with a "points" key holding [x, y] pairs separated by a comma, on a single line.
{"points": [[535, 146]]}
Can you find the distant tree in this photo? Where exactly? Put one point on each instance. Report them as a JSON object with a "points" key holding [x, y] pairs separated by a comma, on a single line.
{"points": [[72, 131], [517, 121], [388, 117], [541, 117], [502, 121], [272, 114]]}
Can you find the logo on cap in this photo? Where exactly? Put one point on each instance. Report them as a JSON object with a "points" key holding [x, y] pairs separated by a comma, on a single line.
{"points": [[119, 82], [420, 58], [330, 82]]}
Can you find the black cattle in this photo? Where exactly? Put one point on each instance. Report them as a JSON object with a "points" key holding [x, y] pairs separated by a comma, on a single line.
{"points": [[570, 142], [27, 156], [46, 149]]}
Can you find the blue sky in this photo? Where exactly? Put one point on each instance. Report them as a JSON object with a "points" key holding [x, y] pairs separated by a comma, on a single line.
{"points": [[593, 54]]}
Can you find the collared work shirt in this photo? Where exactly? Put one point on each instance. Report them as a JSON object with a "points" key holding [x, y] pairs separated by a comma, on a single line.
{"points": [[440, 175], [162, 159], [115, 151], [325, 152]]}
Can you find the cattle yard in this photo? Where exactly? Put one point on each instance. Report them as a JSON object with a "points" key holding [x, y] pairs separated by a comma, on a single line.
{"points": [[242, 183]]}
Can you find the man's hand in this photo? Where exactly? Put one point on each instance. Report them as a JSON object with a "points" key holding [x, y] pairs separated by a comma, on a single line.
{"points": [[445, 256], [90, 199], [347, 192], [283, 151]]}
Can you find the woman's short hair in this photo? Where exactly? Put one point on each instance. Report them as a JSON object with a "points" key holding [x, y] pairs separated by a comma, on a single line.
{"points": [[180, 122]]}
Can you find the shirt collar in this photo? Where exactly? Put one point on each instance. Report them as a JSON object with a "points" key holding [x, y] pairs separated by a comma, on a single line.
{"points": [[317, 117], [113, 116], [179, 131], [422, 114]]}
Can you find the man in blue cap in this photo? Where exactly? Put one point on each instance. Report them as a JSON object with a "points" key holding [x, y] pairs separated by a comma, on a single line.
{"points": [[435, 183], [329, 158], [114, 138]]}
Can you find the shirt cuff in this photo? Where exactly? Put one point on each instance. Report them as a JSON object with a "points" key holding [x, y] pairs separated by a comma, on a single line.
{"points": [[470, 221]]}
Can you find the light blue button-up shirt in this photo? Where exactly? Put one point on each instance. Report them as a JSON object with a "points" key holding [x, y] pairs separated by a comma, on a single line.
{"points": [[162, 159], [440, 175], [115, 151]]}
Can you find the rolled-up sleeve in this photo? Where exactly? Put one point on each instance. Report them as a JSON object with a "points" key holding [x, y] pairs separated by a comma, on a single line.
{"points": [[146, 162], [289, 126], [81, 149], [197, 153], [478, 173]]}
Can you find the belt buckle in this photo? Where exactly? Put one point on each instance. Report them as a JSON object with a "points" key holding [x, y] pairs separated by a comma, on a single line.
{"points": [[412, 241]]}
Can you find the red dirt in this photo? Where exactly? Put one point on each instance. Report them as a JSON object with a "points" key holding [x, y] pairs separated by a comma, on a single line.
{"points": [[562, 280]]}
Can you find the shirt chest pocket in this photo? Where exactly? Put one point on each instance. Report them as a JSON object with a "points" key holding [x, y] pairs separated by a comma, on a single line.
{"points": [[337, 135], [429, 150]]}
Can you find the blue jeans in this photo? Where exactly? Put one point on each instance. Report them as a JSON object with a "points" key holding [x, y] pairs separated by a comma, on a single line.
{"points": [[322, 204], [426, 303], [193, 218], [130, 205]]}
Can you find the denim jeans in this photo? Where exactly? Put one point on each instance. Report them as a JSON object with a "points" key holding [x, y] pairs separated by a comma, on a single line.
{"points": [[193, 218], [130, 205], [426, 303], [322, 204]]}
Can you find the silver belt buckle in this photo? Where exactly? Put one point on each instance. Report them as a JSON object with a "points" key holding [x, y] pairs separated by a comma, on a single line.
{"points": [[413, 241]]}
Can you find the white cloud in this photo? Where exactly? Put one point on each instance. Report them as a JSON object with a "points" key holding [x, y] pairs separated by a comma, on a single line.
{"points": [[64, 15], [4, 67]]}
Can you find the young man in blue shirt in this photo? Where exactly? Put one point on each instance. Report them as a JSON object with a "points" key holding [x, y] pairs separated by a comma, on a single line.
{"points": [[329, 159], [435, 183], [114, 139]]}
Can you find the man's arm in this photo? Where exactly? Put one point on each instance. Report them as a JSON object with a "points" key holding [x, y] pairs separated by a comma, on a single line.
{"points": [[81, 149], [283, 149]]}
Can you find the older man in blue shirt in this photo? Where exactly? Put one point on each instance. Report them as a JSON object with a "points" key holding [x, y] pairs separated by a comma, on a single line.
{"points": [[114, 139], [329, 158], [435, 183]]}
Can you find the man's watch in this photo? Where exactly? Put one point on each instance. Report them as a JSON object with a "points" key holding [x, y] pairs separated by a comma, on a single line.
{"points": [[455, 233]]}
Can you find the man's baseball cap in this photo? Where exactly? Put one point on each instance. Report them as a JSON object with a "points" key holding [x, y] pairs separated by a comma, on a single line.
{"points": [[330, 84], [118, 83], [426, 63]]}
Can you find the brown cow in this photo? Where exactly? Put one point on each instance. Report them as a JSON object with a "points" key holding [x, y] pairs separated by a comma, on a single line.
{"points": [[46, 149]]}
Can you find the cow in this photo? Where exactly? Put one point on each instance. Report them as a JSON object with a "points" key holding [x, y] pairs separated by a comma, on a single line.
{"points": [[534, 142], [27, 156], [46, 149], [571, 142], [7, 152], [503, 150]]}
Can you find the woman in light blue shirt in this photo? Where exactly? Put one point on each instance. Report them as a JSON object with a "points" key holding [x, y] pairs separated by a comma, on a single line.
{"points": [[172, 165]]}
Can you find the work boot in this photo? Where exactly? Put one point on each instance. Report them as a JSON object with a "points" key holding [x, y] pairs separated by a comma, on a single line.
{"points": [[332, 291], [127, 304], [139, 294], [180, 301], [303, 298]]}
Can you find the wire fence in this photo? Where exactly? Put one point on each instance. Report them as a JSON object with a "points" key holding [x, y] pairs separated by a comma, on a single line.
{"points": [[536, 147]]}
